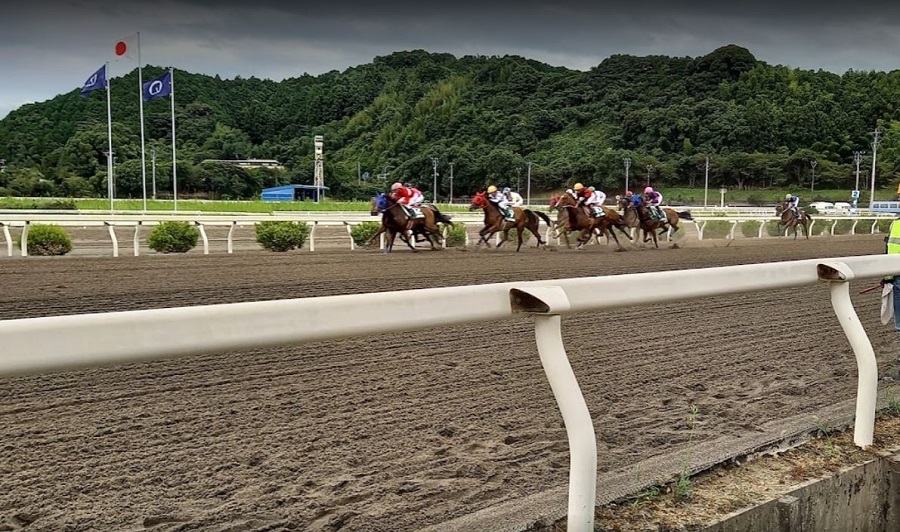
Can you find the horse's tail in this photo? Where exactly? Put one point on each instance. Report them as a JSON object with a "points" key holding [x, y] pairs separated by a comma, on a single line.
{"points": [[544, 217], [686, 215], [441, 217]]}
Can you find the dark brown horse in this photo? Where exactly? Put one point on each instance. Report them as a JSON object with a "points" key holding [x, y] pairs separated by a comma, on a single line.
{"points": [[790, 220], [396, 220], [494, 221], [580, 218], [635, 219]]}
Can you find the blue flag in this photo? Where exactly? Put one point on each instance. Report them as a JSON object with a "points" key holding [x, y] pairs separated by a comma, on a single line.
{"points": [[158, 88], [96, 81]]}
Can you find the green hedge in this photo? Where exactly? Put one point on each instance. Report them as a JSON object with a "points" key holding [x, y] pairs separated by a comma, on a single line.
{"points": [[456, 236], [716, 229], [48, 240], [281, 236], [362, 232], [173, 237], [750, 228]]}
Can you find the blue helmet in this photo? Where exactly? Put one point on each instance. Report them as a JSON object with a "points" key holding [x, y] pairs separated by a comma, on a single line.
{"points": [[506, 190]]}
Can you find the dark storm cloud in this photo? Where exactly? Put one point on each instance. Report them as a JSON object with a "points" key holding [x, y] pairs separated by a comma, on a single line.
{"points": [[49, 47]]}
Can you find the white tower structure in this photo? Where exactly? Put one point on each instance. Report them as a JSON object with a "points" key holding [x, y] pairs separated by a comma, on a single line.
{"points": [[319, 171]]}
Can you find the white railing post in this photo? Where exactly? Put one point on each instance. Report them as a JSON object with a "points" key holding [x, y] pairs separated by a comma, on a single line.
{"points": [[762, 226], [874, 226], [467, 236], [137, 238], [838, 276], [112, 238], [312, 236], [8, 238], [381, 242], [700, 227], [833, 224], [545, 303], [445, 233], [350, 234], [853, 227], [23, 242], [731, 233], [811, 225], [229, 246], [204, 237]]}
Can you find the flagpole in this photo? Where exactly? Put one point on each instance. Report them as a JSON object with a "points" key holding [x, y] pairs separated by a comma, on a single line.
{"points": [[109, 174], [141, 100], [174, 170]]}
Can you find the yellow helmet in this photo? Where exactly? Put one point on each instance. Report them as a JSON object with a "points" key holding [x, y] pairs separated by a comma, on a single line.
{"points": [[578, 186], [492, 189]]}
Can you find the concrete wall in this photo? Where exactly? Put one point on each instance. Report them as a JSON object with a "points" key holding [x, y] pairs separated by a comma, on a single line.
{"points": [[865, 498]]}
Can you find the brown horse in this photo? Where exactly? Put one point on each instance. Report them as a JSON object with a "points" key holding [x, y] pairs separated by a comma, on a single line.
{"points": [[561, 227], [396, 220], [494, 221], [580, 218], [789, 220], [633, 219]]}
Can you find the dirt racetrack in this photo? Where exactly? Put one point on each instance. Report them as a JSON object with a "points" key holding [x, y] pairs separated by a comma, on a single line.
{"points": [[394, 432]]}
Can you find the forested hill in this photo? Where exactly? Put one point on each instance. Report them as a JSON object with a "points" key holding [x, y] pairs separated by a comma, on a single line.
{"points": [[762, 125]]}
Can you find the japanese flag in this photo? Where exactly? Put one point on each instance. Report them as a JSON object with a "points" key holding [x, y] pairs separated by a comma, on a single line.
{"points": [[126, 48]]}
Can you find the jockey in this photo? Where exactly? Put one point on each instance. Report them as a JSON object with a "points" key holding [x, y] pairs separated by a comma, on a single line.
{"points": [[417, 196], [404, 196], [793, 203], [514, 198], [653, 199], [497, 197], [582, 193], [591, 198]]}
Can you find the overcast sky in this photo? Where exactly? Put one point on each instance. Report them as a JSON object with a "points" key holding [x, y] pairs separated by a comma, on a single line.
{"points": [[51, 47]]}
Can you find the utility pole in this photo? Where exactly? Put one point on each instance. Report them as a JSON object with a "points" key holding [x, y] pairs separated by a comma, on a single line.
{"points": [[528, 187], [434, 162], [649, 169], [627, 166], [812, 185], [358, 172], [875, 142], [2, 165], [451, 183], [706, 183], [857, 158], [153, 169]]}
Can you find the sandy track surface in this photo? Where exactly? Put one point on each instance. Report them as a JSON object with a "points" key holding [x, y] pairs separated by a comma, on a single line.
{"points": [[393, 432]]}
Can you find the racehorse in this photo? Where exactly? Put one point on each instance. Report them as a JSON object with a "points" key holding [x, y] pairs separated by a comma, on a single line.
{"points": [[494, 221], [396, 220], [580, 219], [561, 227], [642, 219], [790, 220]]}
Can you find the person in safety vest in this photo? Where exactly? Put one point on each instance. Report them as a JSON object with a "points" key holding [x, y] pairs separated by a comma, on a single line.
{"points": [[892, 247]]}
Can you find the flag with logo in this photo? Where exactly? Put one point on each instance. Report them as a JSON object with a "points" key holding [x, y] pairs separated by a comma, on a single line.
{"points": [[158, 88], [96, 81], [126, 48]]}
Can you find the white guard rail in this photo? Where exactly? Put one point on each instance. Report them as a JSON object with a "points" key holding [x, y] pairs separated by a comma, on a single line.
{"points": [[24, 220], [46, 344]]}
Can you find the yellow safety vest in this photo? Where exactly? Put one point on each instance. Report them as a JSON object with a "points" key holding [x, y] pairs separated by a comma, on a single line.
{"points": [[893, 241]]}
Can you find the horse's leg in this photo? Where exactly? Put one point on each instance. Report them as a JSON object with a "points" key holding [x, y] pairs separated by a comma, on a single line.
{"points": [[520, 228], [505, 228]]}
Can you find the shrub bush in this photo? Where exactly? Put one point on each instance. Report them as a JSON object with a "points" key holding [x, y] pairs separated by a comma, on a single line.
{"points": [[48, 240], [362, 232], [456, 236], [750, 228], [173, 237], [281, 236], [773, 228], [884, 225], [842, 227], [716, 229], [513, 238]]}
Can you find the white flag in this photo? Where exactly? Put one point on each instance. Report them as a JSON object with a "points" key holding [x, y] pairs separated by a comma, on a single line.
{"points": [[126, 48]]}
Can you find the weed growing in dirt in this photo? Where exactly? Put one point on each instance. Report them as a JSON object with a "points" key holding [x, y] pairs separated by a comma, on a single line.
{"points": [[894, 406], [683, 488]]}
